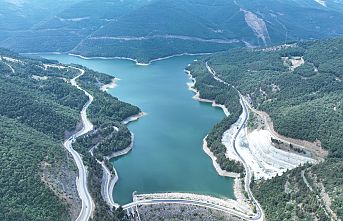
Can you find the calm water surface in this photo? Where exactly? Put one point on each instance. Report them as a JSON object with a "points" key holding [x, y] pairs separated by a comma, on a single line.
{"points": [[167, 155]]}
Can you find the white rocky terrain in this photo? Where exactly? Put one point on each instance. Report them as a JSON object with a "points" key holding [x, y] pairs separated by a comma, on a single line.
{"points": [[261, 155], [264, 158]]}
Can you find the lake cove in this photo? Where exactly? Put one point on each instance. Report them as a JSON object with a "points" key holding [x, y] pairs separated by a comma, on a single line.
{"points": [[167, 154]]}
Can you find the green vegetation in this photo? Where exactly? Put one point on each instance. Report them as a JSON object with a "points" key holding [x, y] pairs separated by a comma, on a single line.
{"points": [[304, 103], [38, 110], [327, 173], [35, 114], [222, 94], [218, 149], [105, 108], [23, 195], [292, 100], [147, 50], [287, 197], [106, 113], [75, 26], [102, 211]]}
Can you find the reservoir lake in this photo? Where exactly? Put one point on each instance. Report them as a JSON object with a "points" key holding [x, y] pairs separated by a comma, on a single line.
{"points": [[167, 155]]}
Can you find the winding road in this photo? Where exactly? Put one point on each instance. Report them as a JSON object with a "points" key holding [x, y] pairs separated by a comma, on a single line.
{"points": [[108, 183], [81, 181], [248, 173]]}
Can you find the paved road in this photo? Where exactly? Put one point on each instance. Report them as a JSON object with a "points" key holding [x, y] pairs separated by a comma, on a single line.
{"points": [[248, 173], [81, 181], [187, 202], [107, 185]]}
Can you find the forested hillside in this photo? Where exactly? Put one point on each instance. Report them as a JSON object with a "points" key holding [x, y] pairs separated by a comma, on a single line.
{"points": [[39, 108], [146, 30], [35, 114], [300, 87]]}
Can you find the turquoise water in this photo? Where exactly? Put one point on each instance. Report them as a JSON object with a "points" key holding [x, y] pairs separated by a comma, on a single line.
{"points": [[167, 155]]}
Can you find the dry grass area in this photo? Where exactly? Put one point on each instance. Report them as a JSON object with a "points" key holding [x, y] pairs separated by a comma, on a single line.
{"points": [[177, 212]]}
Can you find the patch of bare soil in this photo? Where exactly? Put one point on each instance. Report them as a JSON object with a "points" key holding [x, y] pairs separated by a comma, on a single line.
{"points": [[169, 212], [293, 62], [257, 25], [313, 147], [60, 179]]}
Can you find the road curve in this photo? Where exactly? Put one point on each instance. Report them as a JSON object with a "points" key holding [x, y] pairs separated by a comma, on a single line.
{"points": [[205, 204], [108, 183], [248, 174], [81, 181]]}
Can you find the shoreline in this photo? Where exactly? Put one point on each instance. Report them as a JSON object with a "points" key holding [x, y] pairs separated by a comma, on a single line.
{"points": [[197, 95], [112, 179], [113, 84], [219, 170], [134, 118], [108, 58], [135, 60], [123, 151], [237, 187], [108, 180]]}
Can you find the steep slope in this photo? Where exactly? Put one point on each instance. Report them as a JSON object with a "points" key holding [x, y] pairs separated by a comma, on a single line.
{"points": [[296, 20], [149, 29], [300, 87], [36, 111], [64, 27], [160, 29], [39, 109]]}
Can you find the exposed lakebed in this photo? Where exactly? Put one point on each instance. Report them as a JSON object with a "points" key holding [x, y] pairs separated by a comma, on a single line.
{"points": [[167, 154]]}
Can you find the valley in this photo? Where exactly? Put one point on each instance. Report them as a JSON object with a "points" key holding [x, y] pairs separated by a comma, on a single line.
{"points": [[287, 109], [264, 160], [144, 110], [170, 112], [140, 30]]}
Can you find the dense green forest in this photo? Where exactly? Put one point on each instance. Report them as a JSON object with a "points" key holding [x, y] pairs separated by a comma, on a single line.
{"points": [[35, 115], [287, 197], [304, 100], [23, 195], [38, 110]]}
